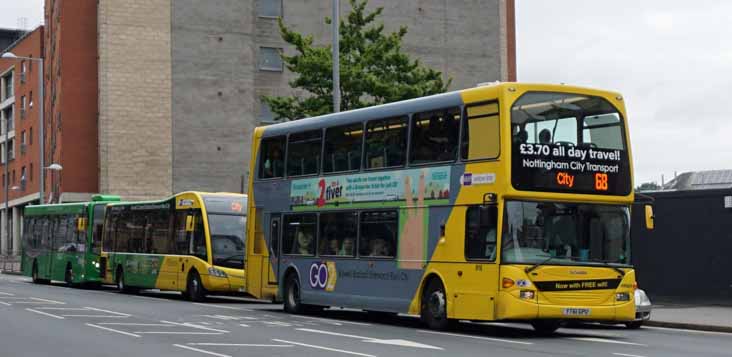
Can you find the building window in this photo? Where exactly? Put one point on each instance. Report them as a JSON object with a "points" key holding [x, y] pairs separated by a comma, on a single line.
{"points": [[9, 118], [266, 116], [269, 59], [13, 177], [22, 176], [31, 172], [7, 85], [11, 153], [30, 99], [30, 136], [22, 103], [269, 8], [22, 66]]}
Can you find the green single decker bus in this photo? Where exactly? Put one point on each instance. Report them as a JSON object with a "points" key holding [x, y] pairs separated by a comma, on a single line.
{"points": [[63, 241]]}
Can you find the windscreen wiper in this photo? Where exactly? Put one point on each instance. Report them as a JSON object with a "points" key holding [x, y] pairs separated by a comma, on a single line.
{"points": [[531, 268], [604, 262]]}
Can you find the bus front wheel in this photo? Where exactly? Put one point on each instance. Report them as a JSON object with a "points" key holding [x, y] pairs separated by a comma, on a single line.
{"points": [[69, 276], [434, 306], [194, 287], [292, 302]]}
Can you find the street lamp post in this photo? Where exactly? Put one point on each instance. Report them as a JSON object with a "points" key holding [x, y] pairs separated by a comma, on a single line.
{"points": [[336, 57], [42, 142]]}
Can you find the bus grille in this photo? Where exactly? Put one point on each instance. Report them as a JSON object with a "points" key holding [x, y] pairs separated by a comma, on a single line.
{"points": [[578, 297]]}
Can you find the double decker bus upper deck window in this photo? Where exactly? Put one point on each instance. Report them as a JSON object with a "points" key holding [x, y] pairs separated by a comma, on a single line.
{"points": [[573, 143]]}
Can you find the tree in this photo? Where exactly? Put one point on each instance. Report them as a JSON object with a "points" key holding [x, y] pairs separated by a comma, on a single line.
{"points": [[373, 69], [648, 186]]}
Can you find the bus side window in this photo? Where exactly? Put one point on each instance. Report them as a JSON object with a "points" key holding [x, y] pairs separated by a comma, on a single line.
{"points": [[435, 136], [481, 124], [480, 232], [198, 239], [272, 158], [378, 236], [303, 153], [190, 243], [386, 143]]}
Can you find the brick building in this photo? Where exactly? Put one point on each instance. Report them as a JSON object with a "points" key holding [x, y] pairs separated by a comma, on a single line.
{"points": [[19, 149]]}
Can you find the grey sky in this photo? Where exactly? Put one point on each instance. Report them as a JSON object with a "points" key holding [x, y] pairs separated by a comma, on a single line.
{"points": [[671, 60], [11, 10]]}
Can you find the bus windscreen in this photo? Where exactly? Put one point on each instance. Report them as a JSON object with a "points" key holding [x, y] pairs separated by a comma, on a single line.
{"points": [[568, 143]]}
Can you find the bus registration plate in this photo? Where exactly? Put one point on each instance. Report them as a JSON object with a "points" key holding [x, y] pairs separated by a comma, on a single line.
{"points": [[573, 311]]}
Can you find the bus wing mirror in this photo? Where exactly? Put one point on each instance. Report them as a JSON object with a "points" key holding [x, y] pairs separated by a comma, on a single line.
{"points": [[81, 224], [649, 217], [189, 223]]}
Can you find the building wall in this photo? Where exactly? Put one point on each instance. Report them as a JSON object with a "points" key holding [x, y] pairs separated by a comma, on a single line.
{"points": [[213, 93], [135, 125], [21, 189], [217, 82]]}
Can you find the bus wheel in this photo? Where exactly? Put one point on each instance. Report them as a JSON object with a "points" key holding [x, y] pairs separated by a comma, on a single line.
{"points": [[292, 302], [34, 274], [545, 327], [121, 285], [194, 287], [434, 306], [69, 276]]}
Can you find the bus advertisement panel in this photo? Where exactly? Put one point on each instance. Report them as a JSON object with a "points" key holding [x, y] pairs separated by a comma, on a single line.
{"points": [[504, 202]]}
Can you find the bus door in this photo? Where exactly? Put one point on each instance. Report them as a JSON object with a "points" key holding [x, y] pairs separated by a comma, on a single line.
{"points": [[273, 242], [195, 246], [45, 266]]}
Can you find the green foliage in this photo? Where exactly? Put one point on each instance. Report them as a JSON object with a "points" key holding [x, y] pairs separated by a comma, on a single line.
{"points": [[373, 69], [648, 186]]}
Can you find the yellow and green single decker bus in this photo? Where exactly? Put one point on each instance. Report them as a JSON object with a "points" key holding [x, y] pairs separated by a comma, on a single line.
{"points": [[507, 202], [192, 242], [62, 242]]}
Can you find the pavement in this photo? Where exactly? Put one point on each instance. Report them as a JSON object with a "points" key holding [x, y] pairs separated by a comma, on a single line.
{"points": [[692, 317]]}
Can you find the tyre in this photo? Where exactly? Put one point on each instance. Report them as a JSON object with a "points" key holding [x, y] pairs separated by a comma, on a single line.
{"points": [[634, 325], [69, 276], [545, 327], [34, 273], [434, 306], [122, 285], [292, 302], [194, 287]]}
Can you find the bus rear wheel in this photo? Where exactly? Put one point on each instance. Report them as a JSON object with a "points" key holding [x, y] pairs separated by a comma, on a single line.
{"points": [[121, 284], [434, 306], [194, 287]]}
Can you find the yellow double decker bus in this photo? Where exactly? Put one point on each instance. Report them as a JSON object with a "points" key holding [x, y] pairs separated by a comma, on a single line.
{"points": [[192, 242], [507, 202]]}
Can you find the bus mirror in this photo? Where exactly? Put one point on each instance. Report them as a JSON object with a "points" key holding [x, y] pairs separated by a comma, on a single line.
{"points": [[649, 217], [189, 223], [81, 224]]}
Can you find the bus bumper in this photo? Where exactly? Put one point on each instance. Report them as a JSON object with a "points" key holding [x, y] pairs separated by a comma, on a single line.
{"points": [[511, 308], [232, 283]]}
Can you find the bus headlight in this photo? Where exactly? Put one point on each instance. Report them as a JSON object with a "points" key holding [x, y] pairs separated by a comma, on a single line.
{"points": [[527, 294], [216, 272], [622, 297]]}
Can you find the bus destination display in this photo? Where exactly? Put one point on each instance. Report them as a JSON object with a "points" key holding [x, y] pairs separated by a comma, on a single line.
{"points": [[571, 169]]}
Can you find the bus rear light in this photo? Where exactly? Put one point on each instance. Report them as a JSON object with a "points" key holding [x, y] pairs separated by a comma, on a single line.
{"points": [[622, 297], [507, 283]]}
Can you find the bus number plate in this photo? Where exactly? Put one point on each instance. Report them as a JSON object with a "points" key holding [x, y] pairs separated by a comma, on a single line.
{"points": [[576, 312]]}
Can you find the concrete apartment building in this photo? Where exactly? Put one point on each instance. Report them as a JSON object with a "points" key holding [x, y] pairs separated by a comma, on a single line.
{"points": [[144, 98], [19, 123]]}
